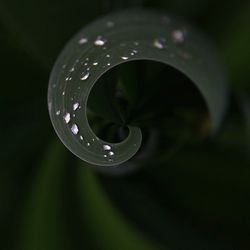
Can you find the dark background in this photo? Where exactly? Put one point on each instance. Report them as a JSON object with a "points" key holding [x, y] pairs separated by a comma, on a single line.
{"points": [[201, 197]]}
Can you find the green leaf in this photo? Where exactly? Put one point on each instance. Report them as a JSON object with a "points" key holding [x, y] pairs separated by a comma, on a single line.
{"points": [[42, 223], [116, 39], [104, 221]]}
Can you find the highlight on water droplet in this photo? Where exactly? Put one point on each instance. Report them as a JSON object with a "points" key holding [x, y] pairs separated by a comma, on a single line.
{"points": [[106, 147], [66, 117], [74, 129], [75, 106], [83, 40], [158, 43], [81, 138], [111, 153], [58, 112], [84, 76], [124, 57], [178, 36], [100, 41]]}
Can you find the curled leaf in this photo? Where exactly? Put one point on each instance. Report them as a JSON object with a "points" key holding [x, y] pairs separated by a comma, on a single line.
{"points": [[116, 39]]}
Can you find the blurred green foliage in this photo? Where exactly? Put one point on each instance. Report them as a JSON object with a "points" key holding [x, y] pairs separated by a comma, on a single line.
{"points": [[198, 198]]}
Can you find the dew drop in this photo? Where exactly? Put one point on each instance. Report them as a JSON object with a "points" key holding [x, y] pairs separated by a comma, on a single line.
{"points": [[106, 147], [178, 36], [95, 63], [100, 41], [72, 69], [58, 112], [136, 43], [110, 24], [124, 58], [75, 106], [88, 144], [165, 19], [66, 117], [85, 76], [105, 156], [108, 64], [63, 93], [108, 55], [81, 138], [111, 153], [74, 129], [158, 44], [83, 40]]}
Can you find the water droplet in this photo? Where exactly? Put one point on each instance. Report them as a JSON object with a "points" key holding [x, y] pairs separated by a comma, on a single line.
{"points": [[72, 69], [66, 117], [158, 43], [106, 147], [75, 106], [95, 63], [85, 64], [93, 139], [74, 129], [110, 24], [108, 64], [88, 144], [111, 153], [83, 40], [166, 19], [84, 76], [81, 138], [100, 41], [178, 36], [63, 93], [135, 51], [105, 156], [58, 112], [136, 43], [124, 58], [108, 55]]}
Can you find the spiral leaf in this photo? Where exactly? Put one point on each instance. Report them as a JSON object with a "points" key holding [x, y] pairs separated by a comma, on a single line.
{"points": [[111, 41]]}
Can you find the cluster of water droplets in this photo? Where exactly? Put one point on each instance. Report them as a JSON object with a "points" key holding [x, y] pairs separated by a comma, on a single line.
{"points": [[177, 36]]}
